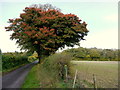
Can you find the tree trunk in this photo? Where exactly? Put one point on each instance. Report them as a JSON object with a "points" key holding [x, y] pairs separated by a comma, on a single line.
{"points": [[39, 57]]}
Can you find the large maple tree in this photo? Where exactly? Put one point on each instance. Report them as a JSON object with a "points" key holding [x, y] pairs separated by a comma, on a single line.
{"points": [[46, 30]]}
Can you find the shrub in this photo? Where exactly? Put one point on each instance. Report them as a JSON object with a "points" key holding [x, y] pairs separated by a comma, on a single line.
{"points": [[32, 58], [11, 60], [53, 70]]}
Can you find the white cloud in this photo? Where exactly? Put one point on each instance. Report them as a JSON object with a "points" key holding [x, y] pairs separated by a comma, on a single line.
{"points": [[111, 18], [103, 39], [60, 1], [6, 44], [107, 39]]}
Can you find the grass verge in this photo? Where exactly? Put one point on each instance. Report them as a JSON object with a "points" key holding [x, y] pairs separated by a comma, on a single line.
{"points": [[31, 80], [50, 73]]}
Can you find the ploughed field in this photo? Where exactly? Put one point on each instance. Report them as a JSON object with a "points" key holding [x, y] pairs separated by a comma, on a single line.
{"points": [[105, 74]]}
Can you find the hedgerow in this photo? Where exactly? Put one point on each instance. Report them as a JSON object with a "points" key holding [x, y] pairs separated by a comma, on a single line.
{"points": [[11, 60]]}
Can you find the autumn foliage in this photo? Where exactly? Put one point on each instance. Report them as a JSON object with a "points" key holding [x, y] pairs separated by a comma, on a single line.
{"points": [[44, 31]]}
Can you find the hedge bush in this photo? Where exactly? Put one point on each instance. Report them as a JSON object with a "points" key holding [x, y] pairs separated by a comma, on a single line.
{"points": [[53, 70], [12, 60]]}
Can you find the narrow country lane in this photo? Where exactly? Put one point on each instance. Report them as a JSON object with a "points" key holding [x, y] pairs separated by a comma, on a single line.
{"points": [[16, 78]]}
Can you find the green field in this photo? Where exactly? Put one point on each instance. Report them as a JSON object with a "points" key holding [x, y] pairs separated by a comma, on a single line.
{"points": [[105, 72]]}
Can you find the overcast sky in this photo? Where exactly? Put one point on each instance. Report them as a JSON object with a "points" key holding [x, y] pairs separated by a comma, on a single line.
{"points": [[101, 17]]}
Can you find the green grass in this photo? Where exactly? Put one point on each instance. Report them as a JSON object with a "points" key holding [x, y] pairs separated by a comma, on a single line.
{"points": [[31, 80], [52, 69], [106, 73], [49, 73], [37, 78]]}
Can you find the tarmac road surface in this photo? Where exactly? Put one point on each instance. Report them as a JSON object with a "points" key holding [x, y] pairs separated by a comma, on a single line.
{"points": [[16, 78]]}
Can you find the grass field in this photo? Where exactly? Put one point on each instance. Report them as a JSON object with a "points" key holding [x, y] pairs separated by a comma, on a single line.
{"points": [[105, 72]]}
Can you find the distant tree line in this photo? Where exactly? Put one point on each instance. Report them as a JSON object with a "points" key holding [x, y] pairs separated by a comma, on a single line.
{"points": [[94, 54]]}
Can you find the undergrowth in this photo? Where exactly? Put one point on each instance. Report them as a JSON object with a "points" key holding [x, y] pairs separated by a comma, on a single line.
{"points": [[51, 73]]}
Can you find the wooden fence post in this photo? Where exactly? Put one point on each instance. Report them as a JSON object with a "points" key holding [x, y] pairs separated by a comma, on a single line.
{"points": [[66, 74], [75, 78], [94, 82]]}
